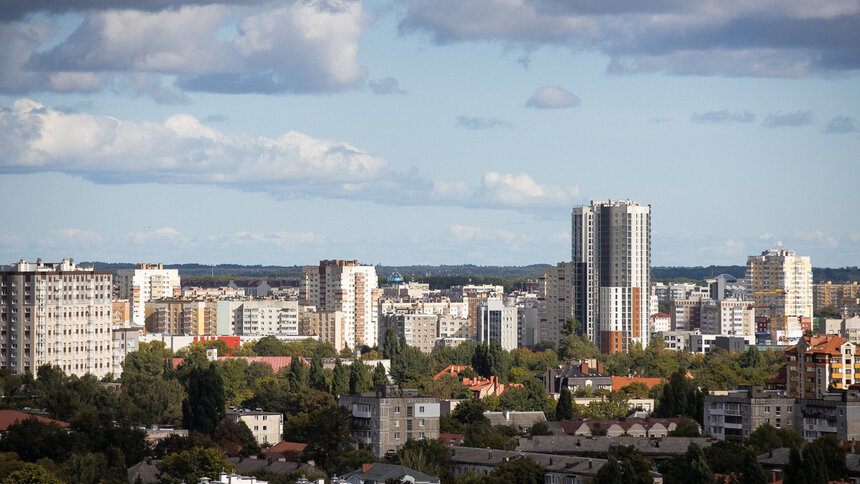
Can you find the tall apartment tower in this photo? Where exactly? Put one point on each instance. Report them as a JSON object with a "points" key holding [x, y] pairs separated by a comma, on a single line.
{"points": [[58, 314], [144, 283], [612, 270], [555, 300], [781, 286], [346, 286]]}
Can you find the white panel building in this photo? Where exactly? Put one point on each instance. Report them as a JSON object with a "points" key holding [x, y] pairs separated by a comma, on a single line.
{"points": [[144, 283]]}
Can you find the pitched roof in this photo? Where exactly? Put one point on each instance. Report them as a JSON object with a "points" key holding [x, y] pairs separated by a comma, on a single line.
{"points": [[571, 426], [619, 382], [569, 444], [284, 446], [452, 439], [145, 471], [383, 472], [250, 465], [10, 417], [515, 419], [828, 343], [452, 370], [276, 362]]}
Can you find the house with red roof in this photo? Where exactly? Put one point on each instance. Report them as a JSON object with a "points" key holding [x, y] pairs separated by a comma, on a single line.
{"points": [[11, 417]]}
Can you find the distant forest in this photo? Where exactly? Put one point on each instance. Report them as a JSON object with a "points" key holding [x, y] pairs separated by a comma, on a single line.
{"points": [[448, 275]]}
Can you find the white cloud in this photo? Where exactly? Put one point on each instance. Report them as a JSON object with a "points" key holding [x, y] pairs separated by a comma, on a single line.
{"points": [[723, 117], [14, 242], [820, 237], [183, 150], [475, 233], [789, 38], [71, 238], [303, 46], [552, 97], [793, 119], [278, 239], [160, 236], [766, 236]]}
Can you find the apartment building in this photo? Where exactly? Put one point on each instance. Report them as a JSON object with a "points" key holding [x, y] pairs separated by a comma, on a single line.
{"points": [[737, 413], [781, 286], [269, 317], [180, 316], [345, 286], [497, 323], [388, 417], [125, 341], [611, 258], [556, 298], [836, 295], [58, 314], [145, 283], [418, 330], [730, 317], [817, 364], [328, 326], [834, 414], [267, 427]]}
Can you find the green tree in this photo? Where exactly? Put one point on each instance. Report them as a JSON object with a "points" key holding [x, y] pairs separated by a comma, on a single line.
{"points": [[235, 438], [829, 312], [380, 376], [191, 465], [298, 375], [316, 375], [523, 470], [359, 378], [340, 379], [430, 456], [540, 428], [635, 389], [390, 346], [766, 437], [233, 373], [751, 471], [681, 397], [327, 431], [691, 467], [32, 474], [203, 408], [610, 473], [269, 346], [725, 457], [149, 359], [564, 410], [686, 427]]}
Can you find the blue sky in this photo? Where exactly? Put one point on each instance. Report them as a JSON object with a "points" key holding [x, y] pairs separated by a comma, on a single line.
{"points": [[425, 131]]}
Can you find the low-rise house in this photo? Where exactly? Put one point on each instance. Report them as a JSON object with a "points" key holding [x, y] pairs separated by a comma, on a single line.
{"points": [[381, 473], [267, 427], [574, 377], [634, 427], [452, 439], [655, 448], [619, 382], [522, 421], [485, 387], [559, 469], [11, 417], [251, 465]]}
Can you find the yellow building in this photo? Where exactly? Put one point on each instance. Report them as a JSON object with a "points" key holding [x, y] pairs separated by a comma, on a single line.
{"points": [[329, 326], [182, 317], [820, 363], [781, 284]]}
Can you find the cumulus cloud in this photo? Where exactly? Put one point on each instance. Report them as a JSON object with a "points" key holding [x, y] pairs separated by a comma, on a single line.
{"points": [[182, 149], [472, 232], [842, 125], [383, 87], [279, 239], [478, 122], [723, 117], [768, 38], [552, 97], [71, 237], [159, 236], [793, 119], [302, 46]]}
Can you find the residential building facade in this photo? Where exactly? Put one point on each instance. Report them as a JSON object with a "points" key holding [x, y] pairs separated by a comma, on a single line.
{"points": [[144, 283], [346, 286], [555, 300], [781, 286], [817, 364], [497, 323], [58, 314], [267, 427], [388, 417], [737, 413], [611, 258]]}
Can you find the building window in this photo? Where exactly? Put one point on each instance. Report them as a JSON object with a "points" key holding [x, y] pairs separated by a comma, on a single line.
{"points": [[396, 435], [421, 423], [396, 409]]}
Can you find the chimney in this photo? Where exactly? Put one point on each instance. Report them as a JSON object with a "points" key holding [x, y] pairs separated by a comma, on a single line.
{"points": [[366, 467], [770, 453], [600, 367], [584, 368], [590, 463]]}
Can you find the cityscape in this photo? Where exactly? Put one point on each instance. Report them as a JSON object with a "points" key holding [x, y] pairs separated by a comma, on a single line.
{"points": [[589, 372], [429, 242]]}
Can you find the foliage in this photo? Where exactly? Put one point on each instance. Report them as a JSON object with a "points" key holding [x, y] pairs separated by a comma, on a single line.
{"points": [[203, 408], [360, 379], [565, 408], [686, 427], [32, 474], [380, 376], [821, 461], [540, 428], [687, 468], [635, 389], [681, 397], [327, 431], [766, 437], [829, 312], [235, 438], [529, 397], [340, 379], [269, 346], [724, 456], [430, 456], [317, 376], [523, 470], [491, 360], [191, 465]]}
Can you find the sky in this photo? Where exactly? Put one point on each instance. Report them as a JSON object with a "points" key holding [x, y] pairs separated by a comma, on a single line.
{"points": [[425, 131]]}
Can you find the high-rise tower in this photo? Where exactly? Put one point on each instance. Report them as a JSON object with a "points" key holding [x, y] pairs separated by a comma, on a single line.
{"points": [[781, 285], [612, 270]]}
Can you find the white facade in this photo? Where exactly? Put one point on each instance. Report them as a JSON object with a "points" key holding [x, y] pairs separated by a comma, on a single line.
{"points": [[58, 314], [781, 286], [346, 286], [270, 317], [611, 252], [497, 323], [147, 282], [728, 317]]}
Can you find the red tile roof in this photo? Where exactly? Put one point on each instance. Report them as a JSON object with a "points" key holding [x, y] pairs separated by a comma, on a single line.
{"points": [[276, 362], [452, 439], [828, 343], [9, 417], [619, 382], [452, 370], [284, 446]]}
